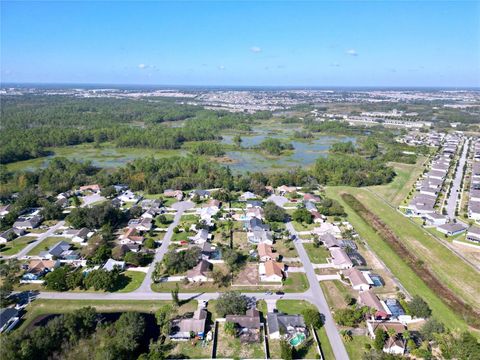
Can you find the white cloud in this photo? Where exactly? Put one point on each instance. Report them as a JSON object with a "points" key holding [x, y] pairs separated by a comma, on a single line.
{"points": [[255, 49], [142, 66], [352, 52], [221, 67]]}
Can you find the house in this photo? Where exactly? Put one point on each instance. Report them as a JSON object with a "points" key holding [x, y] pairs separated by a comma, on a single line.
{"points": [[452, 229], [255, 223], [254, 212], [474, 210], [131, 236], [327, 228], [111, 264], [329, 240], [213, 203], [254, 203], [177, 194], [7, 236], [310, 206], [247, 326], [317, 217], [94, 188], [259, 236], [369, 299], [62, 202], [40, 267], [199, 272], [311, 198], [9, 317], [5, 209], [77, 236], [201, 237], [422, 204], [142, 224], [248, 195], [282, 325], [60, 250], [129, 196], [271, 271], [340, 259], [202, 194], [28, 222], [183, 329], [373, 325], [473, 234], [207, 250], [284, 189], [150, 213], [434, 219], [265, 252], [357, 279], [395, 345]]}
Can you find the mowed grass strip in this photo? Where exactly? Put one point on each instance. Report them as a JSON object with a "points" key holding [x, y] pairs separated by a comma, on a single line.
{"points": [[423, 272], [440, 259], [398, 267]]}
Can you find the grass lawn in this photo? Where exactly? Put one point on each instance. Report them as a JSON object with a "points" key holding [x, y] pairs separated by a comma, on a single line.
{"points": [[193, 349], [16, 245], [317, 255], [398, 267], [230, 347], [303, 226], [49, 306], [396, 191], [285, 248], [325, 345], [181, 236], [356, 347], [293, 307], [296, 282], [46, 244], [135, 279]]}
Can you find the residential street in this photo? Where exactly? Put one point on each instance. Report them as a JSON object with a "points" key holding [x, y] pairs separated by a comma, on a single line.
{"points": [[457, 181], [181, 207], [318, 298], [40, 238]]}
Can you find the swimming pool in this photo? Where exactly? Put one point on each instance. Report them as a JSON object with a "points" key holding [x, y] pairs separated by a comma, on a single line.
{"points": [[297, 339]]}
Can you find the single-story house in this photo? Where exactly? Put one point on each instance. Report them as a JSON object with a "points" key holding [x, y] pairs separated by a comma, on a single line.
{"points": [[435, 219], [248, 195], [178, 194], [202, 194], [368, 298], [373, 325], [280, 325], [311, 197], [112, 264], [473, 234], [40, 267], [340, 259], [270, 271], [60, 250], [28, 222], [201, 237], [452, 229], [265, 252], [284, 189], [259, 236], [248, 325], [9, 317], [357, 279], [131, 236], [395, 345], [200, 272], [182, 329], [93, 188], [77, 235], [329, 240]]}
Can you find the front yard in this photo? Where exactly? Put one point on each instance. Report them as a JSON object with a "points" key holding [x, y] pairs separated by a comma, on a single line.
{"points": [[15, 246], [47, 244], [317, 255]]}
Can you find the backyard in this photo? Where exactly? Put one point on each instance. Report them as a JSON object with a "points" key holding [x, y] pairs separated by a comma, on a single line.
{"points": [[229, 346]]}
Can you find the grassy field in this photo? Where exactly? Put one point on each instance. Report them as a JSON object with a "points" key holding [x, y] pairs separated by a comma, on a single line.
{"points": [[193, 349], [44, 307], [47, 244], [317, 255], [135, 279], [325, 345], [398, 189], [14, 246], [303, 226], [398, 267]]}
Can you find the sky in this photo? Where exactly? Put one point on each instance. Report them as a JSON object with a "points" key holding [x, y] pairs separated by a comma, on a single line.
{"points": [[262, 43]]}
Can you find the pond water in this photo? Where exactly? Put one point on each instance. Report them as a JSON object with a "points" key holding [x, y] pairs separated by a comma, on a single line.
{"points": [[304, 154], [152, 331]]}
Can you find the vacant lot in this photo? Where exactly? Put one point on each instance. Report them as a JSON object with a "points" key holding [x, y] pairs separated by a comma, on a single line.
{"points": [[134, 280], [317, 255]]}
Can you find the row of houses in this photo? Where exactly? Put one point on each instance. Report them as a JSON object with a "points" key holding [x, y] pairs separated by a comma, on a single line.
{"points": [[474, 196]]}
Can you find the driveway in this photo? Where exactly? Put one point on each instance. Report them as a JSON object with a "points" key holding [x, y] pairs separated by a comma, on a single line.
{"points": [[181, 207]]}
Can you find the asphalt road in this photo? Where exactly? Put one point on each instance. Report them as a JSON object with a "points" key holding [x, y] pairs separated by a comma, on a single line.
{"points": [[318, 298], [457, 181], [40, 238], [181, 207]]}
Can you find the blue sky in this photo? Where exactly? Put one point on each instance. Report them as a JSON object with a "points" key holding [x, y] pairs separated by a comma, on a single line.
{"points": [[340, 43]]}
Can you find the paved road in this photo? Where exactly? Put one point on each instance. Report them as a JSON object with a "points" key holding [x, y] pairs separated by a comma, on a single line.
{"points": [[40, 238], [457, 181], [318, 298], [181, 207]]}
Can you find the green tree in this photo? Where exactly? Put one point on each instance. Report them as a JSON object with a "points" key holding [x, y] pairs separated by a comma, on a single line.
{"points": [[231, 303], [175, 297], [380, 338], [312, 318], [57, 279], [419, 308], [286, 350], [273, 212], [302, 215], [229, 328]]}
